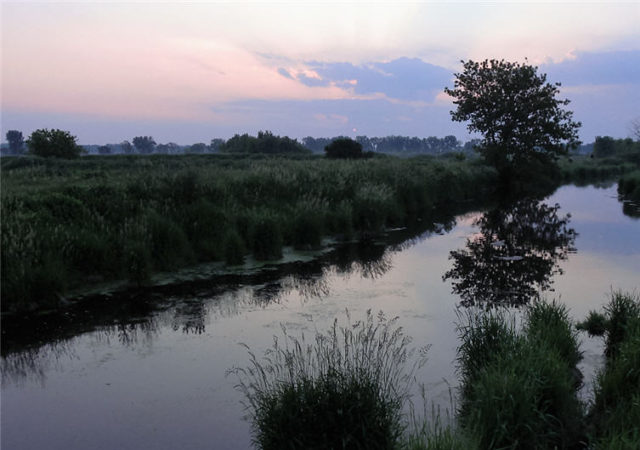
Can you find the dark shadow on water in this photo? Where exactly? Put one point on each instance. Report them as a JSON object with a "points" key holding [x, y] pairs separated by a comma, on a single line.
{"points": [[513, 256]]}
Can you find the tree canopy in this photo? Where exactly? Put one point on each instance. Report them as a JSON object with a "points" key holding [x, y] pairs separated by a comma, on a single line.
{"points": [[344, 148], [516, 110], [53, 143], [15, 140], [144, 144], [265, 142]]}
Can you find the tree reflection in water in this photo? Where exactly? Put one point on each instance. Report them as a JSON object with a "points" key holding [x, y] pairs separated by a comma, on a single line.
{"points": [[514, 255]]}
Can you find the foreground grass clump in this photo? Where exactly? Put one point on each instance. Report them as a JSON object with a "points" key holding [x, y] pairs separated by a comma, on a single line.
{"points": [[441, 437], [519, 385], [68, 224], [344, 390], [615, 412]]}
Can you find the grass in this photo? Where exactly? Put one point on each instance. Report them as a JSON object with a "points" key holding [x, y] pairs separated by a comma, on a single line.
{"points": [[345, 389], [519, 385], [66, 224], [615, 412], [583, 170]]}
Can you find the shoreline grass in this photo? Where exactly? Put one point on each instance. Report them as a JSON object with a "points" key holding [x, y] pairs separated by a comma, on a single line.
{"points": [[345, 389], [519, 385], [68, 224]]}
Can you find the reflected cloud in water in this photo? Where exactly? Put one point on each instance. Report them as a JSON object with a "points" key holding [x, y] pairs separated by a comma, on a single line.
{"points": [[513, 256]]}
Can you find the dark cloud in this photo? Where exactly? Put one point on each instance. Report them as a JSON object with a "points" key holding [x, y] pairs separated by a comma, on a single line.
{"points": [[403, 78], [285, 73], [621, 67]]}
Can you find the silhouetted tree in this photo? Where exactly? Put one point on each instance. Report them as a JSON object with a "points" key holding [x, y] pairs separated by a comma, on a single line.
{"points": [[517, 112], [344, 148], [53, 143], [16, 141], [197, 148], [126, 147], [265, 142], [634, 127], [144, 144], [603, 146], [104, 150], [215, 144]]}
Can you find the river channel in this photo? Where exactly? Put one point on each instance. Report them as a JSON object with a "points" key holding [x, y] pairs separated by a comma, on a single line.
{"points": [[151, 372]]}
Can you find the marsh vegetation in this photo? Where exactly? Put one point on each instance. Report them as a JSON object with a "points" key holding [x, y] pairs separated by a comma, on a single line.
{"points": [[68, 224]]}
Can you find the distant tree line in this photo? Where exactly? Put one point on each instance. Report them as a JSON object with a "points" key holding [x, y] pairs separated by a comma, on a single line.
{"points": [[43, 142], [605, 146], [398, 144]]}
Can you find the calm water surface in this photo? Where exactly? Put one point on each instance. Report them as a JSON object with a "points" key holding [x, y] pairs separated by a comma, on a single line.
{"points": [[152, 375]]}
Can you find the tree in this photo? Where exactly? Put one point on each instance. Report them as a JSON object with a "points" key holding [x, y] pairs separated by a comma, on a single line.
{"points": [[104, 150], [522, 122], [344, 148], [215, 144], [604, 146], [144, 144], [127, 148], [16, 141], [53, 143], [197, 148], [170, 148], [634, 127], [266, 142]]}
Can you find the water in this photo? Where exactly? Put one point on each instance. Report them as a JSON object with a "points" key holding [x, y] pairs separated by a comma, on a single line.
{"points": [[152, 373]]}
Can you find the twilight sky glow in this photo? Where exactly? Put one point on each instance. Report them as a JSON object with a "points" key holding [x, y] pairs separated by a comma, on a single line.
{"points": [[190, 71]]}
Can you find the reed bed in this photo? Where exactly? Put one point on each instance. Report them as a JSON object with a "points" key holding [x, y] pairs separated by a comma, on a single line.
{"points": [[69, 224]]}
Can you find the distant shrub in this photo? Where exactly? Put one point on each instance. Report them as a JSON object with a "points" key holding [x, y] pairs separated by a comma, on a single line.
{"points": [[266, 142], [344, 148], [53, 143]]}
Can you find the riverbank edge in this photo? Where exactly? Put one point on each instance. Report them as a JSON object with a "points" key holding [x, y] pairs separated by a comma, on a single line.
{"points": [[473, 182]]}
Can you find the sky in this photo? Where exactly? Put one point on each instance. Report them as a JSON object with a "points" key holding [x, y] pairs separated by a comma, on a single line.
{"points": [[189, 72]]}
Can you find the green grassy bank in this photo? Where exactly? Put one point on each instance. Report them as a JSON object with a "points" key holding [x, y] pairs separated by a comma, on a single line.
{"points": [[71, 223]]}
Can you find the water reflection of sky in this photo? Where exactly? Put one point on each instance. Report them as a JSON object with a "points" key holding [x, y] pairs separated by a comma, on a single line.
{"points": [[159, 381]]}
